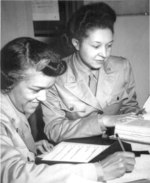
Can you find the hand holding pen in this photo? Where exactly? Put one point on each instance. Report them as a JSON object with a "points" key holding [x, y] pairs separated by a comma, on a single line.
{"points": [[117, 164]]}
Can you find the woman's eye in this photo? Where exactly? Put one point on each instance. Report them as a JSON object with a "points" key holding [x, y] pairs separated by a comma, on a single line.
{"points": [[109, 46], [96, 46], [35, 91]]}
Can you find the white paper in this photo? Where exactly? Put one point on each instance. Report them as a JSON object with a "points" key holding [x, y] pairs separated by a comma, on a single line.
{"points": [[147, 109], [134, 130], [140, 147], [74, 152], [146, 106], [44, 10]]}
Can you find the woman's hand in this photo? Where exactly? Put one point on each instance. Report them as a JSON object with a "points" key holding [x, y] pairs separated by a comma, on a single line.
{"points": [[111, 120], [117, 164], [43, 146]]}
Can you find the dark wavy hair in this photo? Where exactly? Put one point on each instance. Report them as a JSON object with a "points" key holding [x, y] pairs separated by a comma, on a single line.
{"points": [[90, 16], [23, 53]]}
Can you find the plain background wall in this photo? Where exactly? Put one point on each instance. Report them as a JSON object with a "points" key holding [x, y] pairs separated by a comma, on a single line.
{"points": [[16, 20], [132, 42]]}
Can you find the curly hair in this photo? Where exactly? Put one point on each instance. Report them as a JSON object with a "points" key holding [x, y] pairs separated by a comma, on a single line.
{"points": [[23, 53]]}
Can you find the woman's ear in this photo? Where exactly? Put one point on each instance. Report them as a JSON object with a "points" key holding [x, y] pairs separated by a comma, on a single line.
{"points": [[75, 43]]}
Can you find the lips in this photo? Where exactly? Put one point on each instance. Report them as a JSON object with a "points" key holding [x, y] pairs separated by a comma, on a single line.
{"points": [[99, 61]]}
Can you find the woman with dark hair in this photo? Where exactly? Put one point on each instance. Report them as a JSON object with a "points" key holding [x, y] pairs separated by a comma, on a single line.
{"points": [[28, 69], [98, 89]]}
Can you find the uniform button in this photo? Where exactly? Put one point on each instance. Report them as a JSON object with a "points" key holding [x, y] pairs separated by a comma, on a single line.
{"points": [[100, 112], [71, 108]]}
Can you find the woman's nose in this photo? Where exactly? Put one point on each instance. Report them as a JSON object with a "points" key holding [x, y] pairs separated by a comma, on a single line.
{"points": [[103, 51], [41, 95]]}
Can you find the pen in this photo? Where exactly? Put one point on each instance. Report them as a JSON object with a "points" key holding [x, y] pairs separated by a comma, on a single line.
{"points": [[121, 145]]}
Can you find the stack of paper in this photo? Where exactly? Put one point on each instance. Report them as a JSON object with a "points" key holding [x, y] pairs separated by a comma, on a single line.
{"points": [[137, 130], [134, 130]]}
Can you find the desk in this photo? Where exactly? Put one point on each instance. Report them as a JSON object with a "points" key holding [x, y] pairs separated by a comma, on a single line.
{"points": [[129, 177]]}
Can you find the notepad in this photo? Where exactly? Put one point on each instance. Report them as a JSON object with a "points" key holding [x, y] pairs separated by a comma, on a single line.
{"points": [[74, 152]]}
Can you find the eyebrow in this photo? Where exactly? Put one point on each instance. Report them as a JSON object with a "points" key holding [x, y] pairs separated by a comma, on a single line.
{"points": [[37, 87], [107, 43]]}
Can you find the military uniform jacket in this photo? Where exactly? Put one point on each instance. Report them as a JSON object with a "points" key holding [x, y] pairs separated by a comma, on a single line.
{"points": [[17, 157], [71, 109]]}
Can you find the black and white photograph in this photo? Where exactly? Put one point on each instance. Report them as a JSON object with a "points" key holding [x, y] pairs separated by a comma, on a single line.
{"points": [[75, 91]]}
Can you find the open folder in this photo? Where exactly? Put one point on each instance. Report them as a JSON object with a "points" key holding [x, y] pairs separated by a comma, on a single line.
{"points": [[69, 152]]}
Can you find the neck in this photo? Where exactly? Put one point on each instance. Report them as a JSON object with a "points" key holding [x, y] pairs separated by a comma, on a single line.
{"points": [[82, 63]]}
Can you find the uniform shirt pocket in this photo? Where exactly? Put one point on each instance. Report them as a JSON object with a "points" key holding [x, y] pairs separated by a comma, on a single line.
{"points": [[73, 106], [117, 98]]}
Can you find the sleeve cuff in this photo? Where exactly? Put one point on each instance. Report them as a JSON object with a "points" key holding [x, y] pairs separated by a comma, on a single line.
{"points": [[100, 121], [100, 173]]}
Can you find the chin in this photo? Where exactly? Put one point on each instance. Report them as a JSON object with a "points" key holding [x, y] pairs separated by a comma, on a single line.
{"points": [[97, 67], [31, 111]]}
